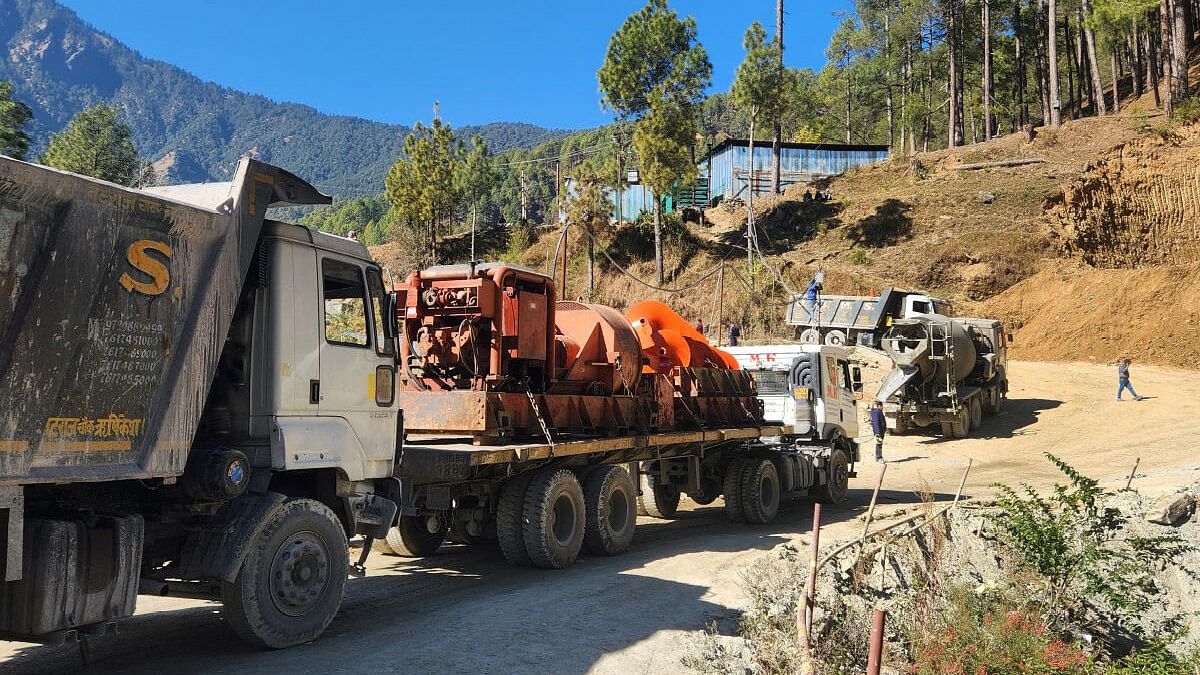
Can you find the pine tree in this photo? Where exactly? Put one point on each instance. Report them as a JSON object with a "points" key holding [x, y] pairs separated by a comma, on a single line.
{"points": [[95, 143], [14, 116]]}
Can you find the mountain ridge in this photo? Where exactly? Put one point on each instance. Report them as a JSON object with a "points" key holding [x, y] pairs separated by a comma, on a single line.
{"points": [[59, 64]]}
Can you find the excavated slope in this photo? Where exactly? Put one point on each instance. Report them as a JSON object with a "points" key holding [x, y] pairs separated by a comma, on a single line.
{"points": [[1140, 206]]}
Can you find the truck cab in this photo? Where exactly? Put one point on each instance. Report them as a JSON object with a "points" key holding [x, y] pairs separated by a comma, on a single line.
{"points": [[813, 389]]}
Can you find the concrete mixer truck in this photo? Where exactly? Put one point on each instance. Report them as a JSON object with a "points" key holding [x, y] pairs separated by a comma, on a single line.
{"points": [[949, 373]]}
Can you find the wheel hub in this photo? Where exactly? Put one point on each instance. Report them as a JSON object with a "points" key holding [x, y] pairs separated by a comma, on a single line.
{"points": [[299, 574]]}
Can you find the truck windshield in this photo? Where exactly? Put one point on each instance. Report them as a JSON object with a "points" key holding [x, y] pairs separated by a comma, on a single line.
{"points": [[375, 286]]}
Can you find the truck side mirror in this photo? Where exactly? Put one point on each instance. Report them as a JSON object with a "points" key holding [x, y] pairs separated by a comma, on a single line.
{"points": [[389, 315]]}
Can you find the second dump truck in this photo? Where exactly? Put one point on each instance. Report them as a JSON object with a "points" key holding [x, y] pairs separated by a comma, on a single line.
{"points": [[201, 401]]}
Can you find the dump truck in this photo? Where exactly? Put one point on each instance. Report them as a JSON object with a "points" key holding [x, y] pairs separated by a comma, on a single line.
{"points": [[949, 373], [847, 320], [200, 401]]}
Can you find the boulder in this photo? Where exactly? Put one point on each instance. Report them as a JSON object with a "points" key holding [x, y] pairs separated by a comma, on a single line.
{"points": [[1171, 509]]}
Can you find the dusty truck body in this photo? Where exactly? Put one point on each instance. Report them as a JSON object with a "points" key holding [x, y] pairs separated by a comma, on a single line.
{"points": [[549, 427], [181, 414], [949, 373], [847, 320]]}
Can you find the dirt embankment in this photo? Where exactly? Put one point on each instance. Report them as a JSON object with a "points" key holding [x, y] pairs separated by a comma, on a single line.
{"points": [[1076, 313]]}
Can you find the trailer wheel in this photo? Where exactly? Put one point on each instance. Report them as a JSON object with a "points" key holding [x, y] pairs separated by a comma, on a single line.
{"points": [[510, 514], [611, 501], [810, 336], [412, 538], [710, 489], [554, 521], [837, 479], [733, 491], [657, 501], [290, 585], [835, 338], [975, 408], [760, 491]]}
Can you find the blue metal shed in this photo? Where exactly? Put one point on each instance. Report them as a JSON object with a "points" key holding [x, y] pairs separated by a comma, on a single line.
{"points": [[799, 163]]}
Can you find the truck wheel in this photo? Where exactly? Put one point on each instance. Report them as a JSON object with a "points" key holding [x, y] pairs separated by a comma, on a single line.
{"points": [[975, 407], [510, 514], [760, 491], [658, 501], [810, 336], [290, 585], [611, 500], [837, 480], [710, 489], [960, 427], [554, 519], [412, 538], [992, 406], [733, 491], [835, 338]]}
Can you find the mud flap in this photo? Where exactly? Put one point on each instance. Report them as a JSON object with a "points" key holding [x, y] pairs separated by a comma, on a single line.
{"points": [[216, 552]]}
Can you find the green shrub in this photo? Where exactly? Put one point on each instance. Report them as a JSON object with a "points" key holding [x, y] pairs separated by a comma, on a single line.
{"points": [[1073, 542], [859, 257], [1156, 659]]}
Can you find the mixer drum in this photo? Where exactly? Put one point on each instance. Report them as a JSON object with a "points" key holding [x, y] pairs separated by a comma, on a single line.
{"points": [[600, 346], [909, 345]]}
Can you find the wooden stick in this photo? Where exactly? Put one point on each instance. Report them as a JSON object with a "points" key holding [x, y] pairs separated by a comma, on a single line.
{"points": [[1000, 164], [803, 618], [1133, 473], [871, 509]]}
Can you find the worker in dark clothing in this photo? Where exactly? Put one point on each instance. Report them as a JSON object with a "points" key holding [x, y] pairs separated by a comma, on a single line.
{"points": [[735, 332], [699, 326], [1123, 380], [879, 428], [813, 293]]}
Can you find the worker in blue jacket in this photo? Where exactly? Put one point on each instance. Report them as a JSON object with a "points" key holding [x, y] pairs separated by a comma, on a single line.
{"points": [[879, 428]]}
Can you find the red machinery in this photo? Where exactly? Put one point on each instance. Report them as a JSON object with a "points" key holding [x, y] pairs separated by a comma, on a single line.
{"points": [[486, 351]]}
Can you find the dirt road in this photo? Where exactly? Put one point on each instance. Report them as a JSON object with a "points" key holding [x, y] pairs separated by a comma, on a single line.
{"points": [[465, 610]]}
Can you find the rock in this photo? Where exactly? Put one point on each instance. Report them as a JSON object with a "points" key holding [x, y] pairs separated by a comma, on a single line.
{"points": [[1171, 509], [986, 197]]}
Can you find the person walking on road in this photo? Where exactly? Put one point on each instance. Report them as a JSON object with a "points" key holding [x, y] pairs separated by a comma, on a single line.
{"points": [[735, 332], [1123, 380], [879, 428]]}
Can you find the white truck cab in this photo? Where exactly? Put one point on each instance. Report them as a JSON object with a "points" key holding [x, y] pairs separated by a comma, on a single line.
{"points": [[813, 389]]}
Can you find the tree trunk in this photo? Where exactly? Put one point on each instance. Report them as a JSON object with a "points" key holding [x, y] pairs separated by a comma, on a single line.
{"points": [[1116, 82], [1043, 72], [1052, 61], [591, 259], [927, 129], [750, 203], [474, 214], [1168, 55], [1072, 61], [848, 106], [776, 148], [1180, 41], [658, 247], [955, 137], [1089, 37], [887, 59], [988, 82], [1022, 71], [1152, 65], [1134, 47]]}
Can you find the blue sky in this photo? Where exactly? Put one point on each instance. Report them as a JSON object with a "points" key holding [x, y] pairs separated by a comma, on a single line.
{"points": [[387, 60]]}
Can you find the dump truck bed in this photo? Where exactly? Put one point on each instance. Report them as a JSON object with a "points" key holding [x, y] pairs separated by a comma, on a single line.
{"points": [[114, 309], [844, 311]]}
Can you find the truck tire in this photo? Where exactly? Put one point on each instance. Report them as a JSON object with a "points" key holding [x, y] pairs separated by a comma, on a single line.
{"points": [[837, 479], [810, 336], [959, 427], [710, 489], [412, 538], [760, 491], [994, 401], [975, 408], [510, 515], [657, 501], [733, 491], [290, 585], [836, 338], [554, 519], [611, 502]]}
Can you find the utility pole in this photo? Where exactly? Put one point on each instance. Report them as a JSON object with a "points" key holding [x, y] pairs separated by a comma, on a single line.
{"points": [[776, 148], [1052, 62], [620, 175], [720, 303]]}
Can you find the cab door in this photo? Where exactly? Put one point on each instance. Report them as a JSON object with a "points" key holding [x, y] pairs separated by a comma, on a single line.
{"points": [[357, 363], [837, 390]]}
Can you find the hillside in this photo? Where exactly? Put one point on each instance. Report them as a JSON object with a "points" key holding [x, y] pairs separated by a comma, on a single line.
{"points": [[196, 130], [1089, 255]]}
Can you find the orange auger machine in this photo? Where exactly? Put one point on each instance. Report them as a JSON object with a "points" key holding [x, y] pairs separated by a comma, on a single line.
{"points": [[487, 352]]}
